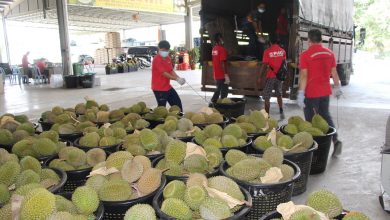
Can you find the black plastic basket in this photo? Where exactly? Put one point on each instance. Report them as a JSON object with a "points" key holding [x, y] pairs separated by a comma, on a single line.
{"points": [[107, 149], [215, 172], [151, 156], [222, 124], [70, 137], [45, 125], [99, 212], [320, 156], [75, 178], [232, 110], [43, 159], [117, 210], [240, 214], [7, 147], [303, 160], [155, 123], [244, 148], [275, 214], [63, 177], [185, 139], [266, 197]]}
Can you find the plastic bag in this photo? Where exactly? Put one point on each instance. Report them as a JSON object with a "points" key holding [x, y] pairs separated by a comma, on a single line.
{"points": [[56, 81]]}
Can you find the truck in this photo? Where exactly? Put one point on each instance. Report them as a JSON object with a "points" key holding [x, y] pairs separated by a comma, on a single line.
{"points": [[333, 17]]}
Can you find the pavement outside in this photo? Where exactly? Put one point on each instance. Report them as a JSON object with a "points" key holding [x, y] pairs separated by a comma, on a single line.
{"points": [[360, 117]]}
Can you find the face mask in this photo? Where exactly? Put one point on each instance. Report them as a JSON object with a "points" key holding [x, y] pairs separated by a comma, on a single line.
{"points": [[164, 53], [221, 42], [261, 10]]}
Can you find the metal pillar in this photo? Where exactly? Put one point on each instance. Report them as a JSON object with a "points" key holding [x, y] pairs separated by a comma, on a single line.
{"points": [[6, 39], [188, 28], [62, 14]]}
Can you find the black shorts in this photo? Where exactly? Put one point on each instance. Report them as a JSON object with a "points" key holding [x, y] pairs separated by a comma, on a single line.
{"points": [[270, 85]]}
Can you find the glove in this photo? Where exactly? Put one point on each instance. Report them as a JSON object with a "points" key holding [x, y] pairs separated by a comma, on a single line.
{"points": [[261, 40], [227, 79], [301, 98], [337, 92], [181, 81]]}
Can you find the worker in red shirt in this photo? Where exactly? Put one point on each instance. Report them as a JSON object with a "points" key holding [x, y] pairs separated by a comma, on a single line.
{"points": [[317, 64], [282, 28], [162, 74], [26, 68], [273, 58], [221, 76]]}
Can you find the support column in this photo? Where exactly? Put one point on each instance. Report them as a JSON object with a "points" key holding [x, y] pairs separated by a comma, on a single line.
{"points": [[188, 28], [62, 14], [6, 39]]}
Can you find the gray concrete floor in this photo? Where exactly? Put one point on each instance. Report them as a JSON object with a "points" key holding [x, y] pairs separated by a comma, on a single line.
{"points": [[360, 117]]}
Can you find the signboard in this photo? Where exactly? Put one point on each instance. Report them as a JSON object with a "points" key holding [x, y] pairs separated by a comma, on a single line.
{"points": [[161, 6]]}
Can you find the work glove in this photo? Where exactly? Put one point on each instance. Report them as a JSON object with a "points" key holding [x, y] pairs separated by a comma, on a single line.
{"points": [[301, 98], [227, 79], [181, 81], [337, 92], [261, 40]]}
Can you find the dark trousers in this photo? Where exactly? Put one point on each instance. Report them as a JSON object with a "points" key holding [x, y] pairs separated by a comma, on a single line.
{"points": [[222, 90], [169, 96], [321, 106], [255, 48]]}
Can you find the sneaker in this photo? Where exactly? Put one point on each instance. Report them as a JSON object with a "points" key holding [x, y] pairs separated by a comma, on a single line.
{"points": [[338, 147]]}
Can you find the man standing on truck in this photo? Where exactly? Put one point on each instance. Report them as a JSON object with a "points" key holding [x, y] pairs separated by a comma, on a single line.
{"points": [[221, 76], [252, 26], [317, 63], [272, 61], [162, 74]]}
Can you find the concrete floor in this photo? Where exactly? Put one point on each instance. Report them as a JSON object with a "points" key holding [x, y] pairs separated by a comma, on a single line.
{"points": [[360, 117]]}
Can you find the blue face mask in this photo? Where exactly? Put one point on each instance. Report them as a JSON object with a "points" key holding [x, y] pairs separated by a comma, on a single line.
{"points": [[163, 53]]}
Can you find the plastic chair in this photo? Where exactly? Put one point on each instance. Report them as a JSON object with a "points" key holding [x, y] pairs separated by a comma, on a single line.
{"points": [[38, 77]]}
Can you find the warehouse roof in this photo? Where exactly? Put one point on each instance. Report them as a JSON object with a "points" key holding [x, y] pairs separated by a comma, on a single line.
{"points": [[90, 18]]}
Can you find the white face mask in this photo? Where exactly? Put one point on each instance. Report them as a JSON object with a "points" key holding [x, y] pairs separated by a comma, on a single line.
{"points": [[163, 53], [261, 10]]}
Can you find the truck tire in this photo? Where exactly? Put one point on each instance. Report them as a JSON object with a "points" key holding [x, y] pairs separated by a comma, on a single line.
{"points": [[343, 75]]}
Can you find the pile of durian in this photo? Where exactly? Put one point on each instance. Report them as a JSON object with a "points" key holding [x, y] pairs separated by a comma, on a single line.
{"points": [[205, 116], [268, 169], [124, 177], [45, 144], [18, 177], [72, 158], [146, 142], [256, 122], [320, 205], [160, 113], [201, 198], [182, 159], [228, 137], [317, 127], [102, 137], [38, 203], [299, 143], [131, 122], [178, 128], [14, 128]]}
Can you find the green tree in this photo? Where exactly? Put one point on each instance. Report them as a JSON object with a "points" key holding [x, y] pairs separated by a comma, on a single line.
{"points": [[375, 17]]}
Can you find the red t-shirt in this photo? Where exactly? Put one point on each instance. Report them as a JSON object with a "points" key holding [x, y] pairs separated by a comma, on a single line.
{"points": [[219, 54], [274, 57], [41, 66], [25, 61], [319, 62], [159, 66], [281, 25]]}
